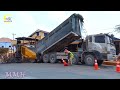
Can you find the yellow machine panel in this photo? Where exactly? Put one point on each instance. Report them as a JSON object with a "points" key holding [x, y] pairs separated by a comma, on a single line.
{"points": [[27, 53]]}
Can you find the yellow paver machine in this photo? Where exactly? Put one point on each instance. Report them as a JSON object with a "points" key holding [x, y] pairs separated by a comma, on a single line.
{"points": [[25, 50]]}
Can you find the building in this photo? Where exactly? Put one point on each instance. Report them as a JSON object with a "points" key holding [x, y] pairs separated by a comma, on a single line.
{"points": [[39, 34], [6, 43], [117, 45], [14, 42]]}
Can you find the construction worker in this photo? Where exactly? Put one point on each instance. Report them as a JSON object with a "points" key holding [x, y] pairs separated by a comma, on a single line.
{"points": [[70, 56]]}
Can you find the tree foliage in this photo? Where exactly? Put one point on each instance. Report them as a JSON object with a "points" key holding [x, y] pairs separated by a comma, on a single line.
{"points": [[4, 50], [117, 28]]}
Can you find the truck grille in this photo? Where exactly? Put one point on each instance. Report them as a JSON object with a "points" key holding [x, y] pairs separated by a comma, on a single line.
{"points": [[112, 51]]}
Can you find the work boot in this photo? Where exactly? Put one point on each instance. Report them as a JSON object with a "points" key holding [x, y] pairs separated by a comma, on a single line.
{"points": [[69, 63]]}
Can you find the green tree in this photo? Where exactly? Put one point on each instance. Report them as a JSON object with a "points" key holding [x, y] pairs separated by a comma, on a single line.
{"points": [[117, 28], [3, 50]]}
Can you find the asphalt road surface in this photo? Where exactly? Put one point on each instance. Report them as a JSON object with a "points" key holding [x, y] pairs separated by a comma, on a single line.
{"points": [[55, 71]]}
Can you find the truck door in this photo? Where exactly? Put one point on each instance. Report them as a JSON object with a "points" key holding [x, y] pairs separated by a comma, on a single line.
{"points": [[111, 51]]}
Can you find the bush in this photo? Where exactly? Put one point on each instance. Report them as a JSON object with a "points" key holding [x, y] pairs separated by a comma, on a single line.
{"points": [[3, 50]]}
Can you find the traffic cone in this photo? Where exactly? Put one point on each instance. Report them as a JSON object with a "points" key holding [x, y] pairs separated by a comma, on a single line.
{"points": [[96, 65], [64, 62], [118, 67]]}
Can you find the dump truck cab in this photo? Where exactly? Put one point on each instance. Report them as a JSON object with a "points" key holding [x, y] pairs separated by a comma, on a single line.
{"points": [[96, 46], [102, 43]]}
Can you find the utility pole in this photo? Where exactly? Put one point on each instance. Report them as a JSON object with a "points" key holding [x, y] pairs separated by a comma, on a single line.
{"points": [[13, 35], [13, 41]]}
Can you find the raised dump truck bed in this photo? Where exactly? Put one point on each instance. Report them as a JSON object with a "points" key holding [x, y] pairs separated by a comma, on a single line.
{"points": [[61, 36]]}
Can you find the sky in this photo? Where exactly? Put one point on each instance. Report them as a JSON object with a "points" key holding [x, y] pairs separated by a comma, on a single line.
{"points": [[25, 23]]}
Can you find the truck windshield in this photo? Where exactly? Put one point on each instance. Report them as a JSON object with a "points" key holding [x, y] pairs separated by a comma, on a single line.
{"points": [[100, 39]]}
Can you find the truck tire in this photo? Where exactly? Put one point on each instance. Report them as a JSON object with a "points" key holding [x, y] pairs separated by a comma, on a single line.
{"points": [[82, 62], [53, 58], [46, 58], [35, 61], [39, 58], [89, 60], [75, 61]]}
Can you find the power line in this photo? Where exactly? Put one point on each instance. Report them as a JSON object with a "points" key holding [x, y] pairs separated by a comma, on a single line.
{"points": [[13, 39]]}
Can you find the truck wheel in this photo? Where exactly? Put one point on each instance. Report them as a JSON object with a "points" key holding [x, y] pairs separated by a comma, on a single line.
{"points": [[46, 58], [39, 58], [100, 62], [82, 62], [89, 60], [53, 58], [75, 60]]}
